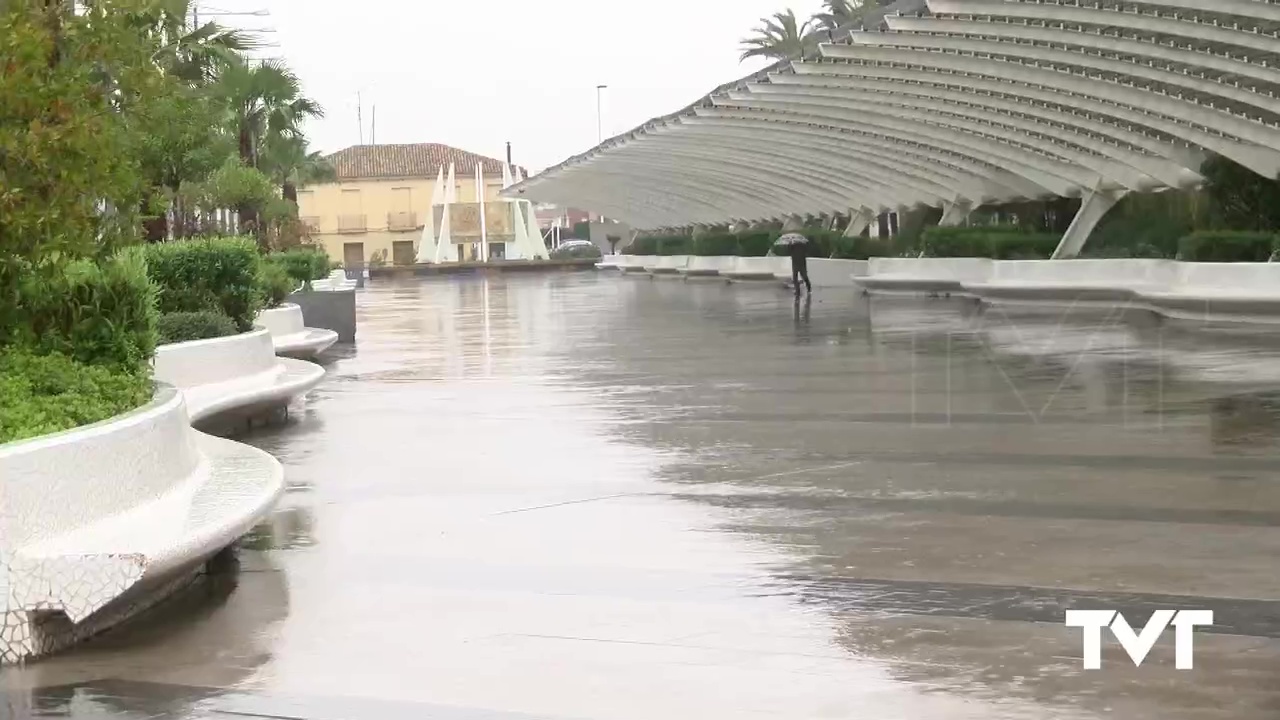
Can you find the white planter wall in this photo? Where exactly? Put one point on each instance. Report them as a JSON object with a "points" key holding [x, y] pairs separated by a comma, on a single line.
{"points": [[289, 334]]}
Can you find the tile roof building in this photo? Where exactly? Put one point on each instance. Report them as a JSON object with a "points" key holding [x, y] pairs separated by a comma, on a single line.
{"points": [[418, 160]]}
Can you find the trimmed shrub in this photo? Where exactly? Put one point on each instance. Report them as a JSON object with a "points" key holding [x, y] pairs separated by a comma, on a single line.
{"points": [[715, 244], [577, 252], [303, 264], [187, 326], [95, 313], [997, 242], [675, 245], [275, 284], [219, 274], [1227, 246], [756, 243], [42, 394]]}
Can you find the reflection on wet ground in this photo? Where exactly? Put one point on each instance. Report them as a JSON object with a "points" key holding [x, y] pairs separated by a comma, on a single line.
{"points": [[594, 497]]}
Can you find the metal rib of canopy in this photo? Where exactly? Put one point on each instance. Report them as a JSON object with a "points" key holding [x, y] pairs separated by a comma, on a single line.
{"points": [[971, 102]]}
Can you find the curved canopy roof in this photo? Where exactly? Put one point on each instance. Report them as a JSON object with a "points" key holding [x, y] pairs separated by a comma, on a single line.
{"points": [[969, 102]]}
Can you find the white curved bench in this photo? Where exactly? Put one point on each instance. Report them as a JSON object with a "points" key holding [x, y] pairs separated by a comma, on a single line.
{"points": [[609, 262], [923, 276], [635, 263], [101, 522], [754, 269], [1072, 282], [290, 335], [707, 267], [337, 280], [668, 265], [833, 272], [1220, 294], [232, 373]]}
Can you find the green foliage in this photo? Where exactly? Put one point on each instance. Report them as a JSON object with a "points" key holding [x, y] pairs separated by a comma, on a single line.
{"points": [[303, 264], [756, 243], [42, 394], [275, 284], [1239, 197], [997, 242], [219, 274], [1228, 246], [576, 252], [1146, 225], [581, 231], [234, 184], [101, 313], [187, 326], [716, 243]]}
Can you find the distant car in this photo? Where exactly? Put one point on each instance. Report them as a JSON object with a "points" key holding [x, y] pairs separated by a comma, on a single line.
{"points": [[567, 244], [576, 249]]}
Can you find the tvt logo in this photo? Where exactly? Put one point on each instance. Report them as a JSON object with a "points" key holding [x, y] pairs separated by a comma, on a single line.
{"points": [[1138, 645]]}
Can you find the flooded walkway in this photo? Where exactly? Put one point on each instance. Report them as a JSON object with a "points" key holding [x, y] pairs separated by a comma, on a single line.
{"points": [[585, 497]]}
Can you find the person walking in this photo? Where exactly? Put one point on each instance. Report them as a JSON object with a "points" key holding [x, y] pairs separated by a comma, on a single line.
{"points": [[799, 252]]}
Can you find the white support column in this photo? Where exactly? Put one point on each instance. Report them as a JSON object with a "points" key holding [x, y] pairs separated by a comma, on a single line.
{"points": [[1094, 206], [739, 228], [955, 213], [484, 229], [446, 250], [792, 223], [859, 220]]}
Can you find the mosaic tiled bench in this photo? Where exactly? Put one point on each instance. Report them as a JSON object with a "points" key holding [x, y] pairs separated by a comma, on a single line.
{"points": [[758, 269], [240, 372], [667, 265], [1220, 294], [289, 334], [1103, 283], [99, 523], [707, 267], [923, 276]]}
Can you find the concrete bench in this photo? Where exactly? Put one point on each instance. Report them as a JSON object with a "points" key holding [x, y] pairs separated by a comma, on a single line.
{"points": [[758, 269], [240, 372], [668, 265], [1220, 293], [290, 335], [831, 272], [707, 267], [923, 276], [1072, 282], [636, 263], [337, 280], [102, 522], [609, 262]]}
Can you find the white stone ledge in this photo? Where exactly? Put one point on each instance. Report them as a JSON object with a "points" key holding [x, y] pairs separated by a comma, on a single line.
{"points": [[609, 262], [233, 373], [1075, 282], [923, 276], [670, 265], [750, 269], [337, 280], [289, 333], [99, 520], [635, 263], [711, 266]]}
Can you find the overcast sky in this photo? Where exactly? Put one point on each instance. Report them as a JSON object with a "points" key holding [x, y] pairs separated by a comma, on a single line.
{"points": [[477, 74]]}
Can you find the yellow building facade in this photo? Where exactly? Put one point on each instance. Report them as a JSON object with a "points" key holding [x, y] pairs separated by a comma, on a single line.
{"points": [[375, 212]]}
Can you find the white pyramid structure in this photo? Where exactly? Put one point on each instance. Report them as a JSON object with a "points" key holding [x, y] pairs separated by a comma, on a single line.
{"points": [[484, 230], [428, 247], [536, 248], [446, 250]]}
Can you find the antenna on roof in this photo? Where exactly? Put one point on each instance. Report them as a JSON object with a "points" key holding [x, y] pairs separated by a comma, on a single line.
{"points": [[373, 127], [360, 116]]}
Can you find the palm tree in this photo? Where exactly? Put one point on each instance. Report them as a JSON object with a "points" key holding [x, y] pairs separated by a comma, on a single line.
{"points": [[290, 166], [192, 53], [265, 102], [780, 36], [839, 13]]}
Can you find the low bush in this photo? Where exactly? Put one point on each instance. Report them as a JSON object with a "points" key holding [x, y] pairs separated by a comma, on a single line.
{"points": [[98, 313], [275, 284], [42, 394], [715, 244], [576, 252], [187, 326], [997, 242], [756, 243], [219, 274], [1227, 246], [303, 264]]}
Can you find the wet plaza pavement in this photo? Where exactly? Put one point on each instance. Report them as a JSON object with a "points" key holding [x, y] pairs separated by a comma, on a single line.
{"points": [[586, 497]]}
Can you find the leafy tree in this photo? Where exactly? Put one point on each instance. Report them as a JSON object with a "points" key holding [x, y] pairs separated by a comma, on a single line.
{"points": [[289, 164], [1239, 198], [780, 36]]}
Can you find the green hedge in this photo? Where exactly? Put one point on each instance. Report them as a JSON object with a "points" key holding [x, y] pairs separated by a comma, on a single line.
{"points": [[43, 394], [187, 326], [275, 284], [1227, 246], [997, 242], [100, 313], [303, 264], [218, 275]]}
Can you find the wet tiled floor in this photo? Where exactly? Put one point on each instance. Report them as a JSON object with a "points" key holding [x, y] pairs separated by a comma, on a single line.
{"points": [[602, 498]]}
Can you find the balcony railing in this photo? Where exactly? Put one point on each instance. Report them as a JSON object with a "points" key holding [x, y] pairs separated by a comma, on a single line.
{"points": [[352, 224], [311, 223], [402, 221]]}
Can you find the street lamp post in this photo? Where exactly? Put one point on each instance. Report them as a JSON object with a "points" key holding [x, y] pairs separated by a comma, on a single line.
{"points": [[600, 113]]}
